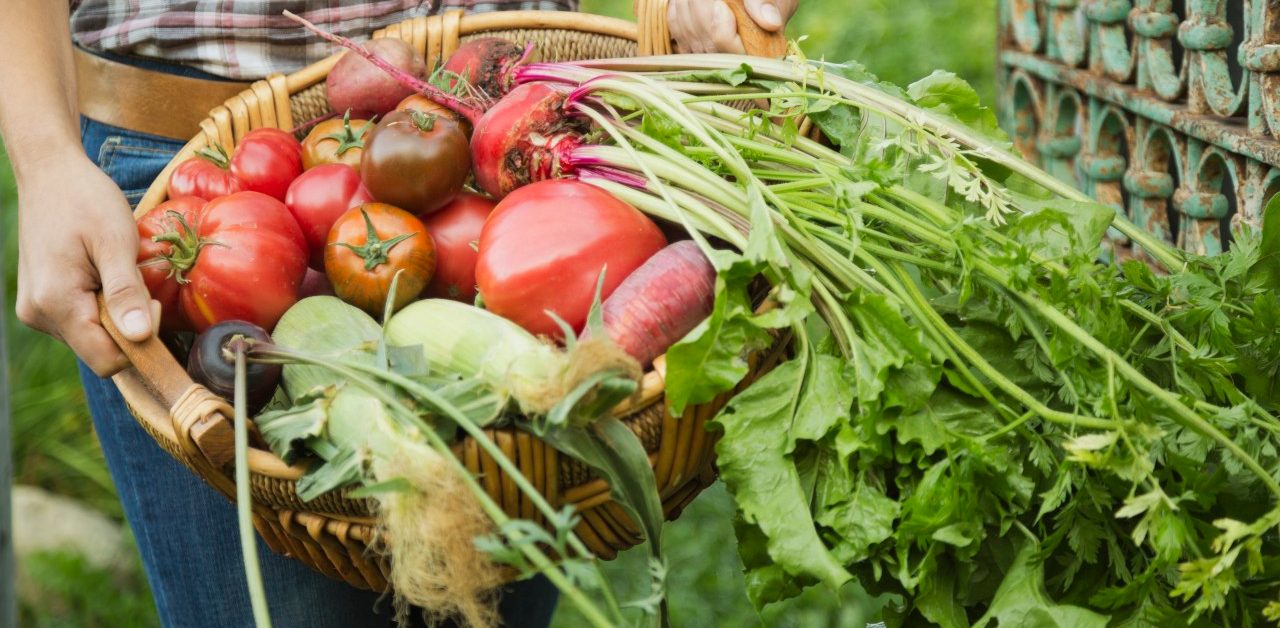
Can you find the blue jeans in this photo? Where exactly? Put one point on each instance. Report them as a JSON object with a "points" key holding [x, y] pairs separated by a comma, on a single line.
{"points": [[187, 532]]}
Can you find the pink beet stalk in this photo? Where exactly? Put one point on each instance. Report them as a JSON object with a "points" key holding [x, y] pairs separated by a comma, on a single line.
{"points": [[458, 105]]}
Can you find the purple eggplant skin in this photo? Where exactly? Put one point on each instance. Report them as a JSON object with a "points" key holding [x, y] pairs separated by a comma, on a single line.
{"points": [[209, 365]]}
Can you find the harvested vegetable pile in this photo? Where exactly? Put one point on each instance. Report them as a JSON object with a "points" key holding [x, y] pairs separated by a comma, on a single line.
{"points": [[975, 414]]}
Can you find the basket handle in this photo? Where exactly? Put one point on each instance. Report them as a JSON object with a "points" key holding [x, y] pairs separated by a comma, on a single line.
{"points": [[655, 37], [199, 419]]}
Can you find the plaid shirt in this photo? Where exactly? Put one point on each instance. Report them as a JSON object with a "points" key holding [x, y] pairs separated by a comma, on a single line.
{"points": [[248, 39]]}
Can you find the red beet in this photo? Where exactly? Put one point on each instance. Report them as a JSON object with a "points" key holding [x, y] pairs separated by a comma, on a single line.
{"points": [[526, 137], [358, 85], [487, 65]]}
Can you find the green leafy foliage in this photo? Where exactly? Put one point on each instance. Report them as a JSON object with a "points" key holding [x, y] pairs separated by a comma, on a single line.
{"points": [[976, 414], [73, 592]]}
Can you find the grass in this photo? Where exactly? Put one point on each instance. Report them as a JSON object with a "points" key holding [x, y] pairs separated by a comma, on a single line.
{"points": [[54, 446]]}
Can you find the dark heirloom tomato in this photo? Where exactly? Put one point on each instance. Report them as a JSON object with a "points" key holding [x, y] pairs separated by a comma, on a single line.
{"points": [[336, 142], [455, 230], [205, 176], [165, 218], [416, 161], [318, 197], [267, 161], [248, 262], [368, 246], [424, 104], [544, 246]]}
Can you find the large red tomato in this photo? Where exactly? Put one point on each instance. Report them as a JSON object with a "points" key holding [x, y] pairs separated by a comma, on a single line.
{"points": [[169, 217], [318, 197], [242, 258], [456, 231], [206, 175], [267, 160], [545, 245]]}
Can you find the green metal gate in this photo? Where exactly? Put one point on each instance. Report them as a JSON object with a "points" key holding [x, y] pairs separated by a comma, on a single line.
{"points": [[1169, 109]]}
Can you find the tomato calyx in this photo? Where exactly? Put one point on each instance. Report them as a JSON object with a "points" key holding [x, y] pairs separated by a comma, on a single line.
{"points": [[375, 249], [349, 138], [185, 244], [216, 155], [425, 122]]}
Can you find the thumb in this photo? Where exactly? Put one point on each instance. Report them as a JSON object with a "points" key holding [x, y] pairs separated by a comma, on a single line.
{"points": [[128, 301], [765, 13]]}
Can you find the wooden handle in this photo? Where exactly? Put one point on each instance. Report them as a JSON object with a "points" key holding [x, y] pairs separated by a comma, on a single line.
{"points": [[757, 41], [208, 428], [151, 359], [654, 38]]}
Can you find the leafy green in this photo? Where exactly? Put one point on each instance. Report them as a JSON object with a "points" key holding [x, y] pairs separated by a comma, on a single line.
{"points": [[947, 94], [755, 464], [975, 413], [1268, 263], [1023, 602]]}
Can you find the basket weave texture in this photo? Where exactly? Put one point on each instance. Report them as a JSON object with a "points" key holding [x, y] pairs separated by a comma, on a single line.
{"points": [[332, 533]]}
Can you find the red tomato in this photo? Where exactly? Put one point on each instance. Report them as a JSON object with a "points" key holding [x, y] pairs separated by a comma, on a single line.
{"points": [[456, 231], [249, 263], [318, 197], [204, 176], [267, 161], [153, 257], [544, 246]]}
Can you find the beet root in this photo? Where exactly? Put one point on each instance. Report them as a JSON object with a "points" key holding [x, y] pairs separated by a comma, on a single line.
{"points": [[358, 85], [524, 138], [488, 65]]}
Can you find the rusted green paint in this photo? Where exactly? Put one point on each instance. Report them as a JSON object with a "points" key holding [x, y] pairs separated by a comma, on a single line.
{"points": [[1093, 90]]}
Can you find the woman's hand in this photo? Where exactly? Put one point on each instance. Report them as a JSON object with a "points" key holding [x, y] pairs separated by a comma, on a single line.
{"points": [[76, 236], [709, 26]]}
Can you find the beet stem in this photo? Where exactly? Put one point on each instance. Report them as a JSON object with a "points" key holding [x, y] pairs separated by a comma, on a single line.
{"points": [[458, 105]]}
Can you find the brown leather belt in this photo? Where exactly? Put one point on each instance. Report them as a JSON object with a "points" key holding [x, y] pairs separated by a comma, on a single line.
{"points": [[146, 100]]}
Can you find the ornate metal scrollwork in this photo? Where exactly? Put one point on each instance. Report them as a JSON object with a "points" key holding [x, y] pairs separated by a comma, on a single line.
{"points": [[1167, 109]]}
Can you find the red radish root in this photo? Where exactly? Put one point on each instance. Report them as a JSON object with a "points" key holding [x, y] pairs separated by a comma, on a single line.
{"points": [[664, 299]]}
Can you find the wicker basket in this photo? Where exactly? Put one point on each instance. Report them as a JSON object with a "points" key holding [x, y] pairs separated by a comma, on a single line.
{"points": [[331, 533]]}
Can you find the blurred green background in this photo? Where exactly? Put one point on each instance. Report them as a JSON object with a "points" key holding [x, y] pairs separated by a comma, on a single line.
{"points": [[54, 447]]}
